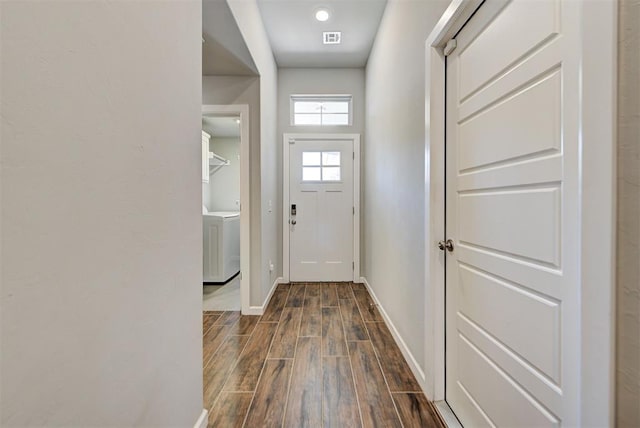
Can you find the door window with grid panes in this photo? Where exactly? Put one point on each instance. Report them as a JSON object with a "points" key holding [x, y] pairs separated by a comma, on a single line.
{"points": [[321, 166]]}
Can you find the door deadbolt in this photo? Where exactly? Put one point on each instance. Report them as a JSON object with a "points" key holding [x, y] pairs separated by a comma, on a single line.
{"points": [[446, 245]]}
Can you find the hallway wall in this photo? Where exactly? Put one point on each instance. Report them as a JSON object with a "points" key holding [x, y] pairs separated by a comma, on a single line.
{"points": [[101, 230], [225, 182], [394, 174], [250, 23], [628, 352]]}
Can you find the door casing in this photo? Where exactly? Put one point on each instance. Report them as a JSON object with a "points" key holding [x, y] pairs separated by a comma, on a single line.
{"points": [[241, 110], [287, 138], [597, 203]]}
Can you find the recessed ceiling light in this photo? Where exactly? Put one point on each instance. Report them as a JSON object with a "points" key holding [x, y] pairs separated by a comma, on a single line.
{"points": [[238, 121], [322, 15]]}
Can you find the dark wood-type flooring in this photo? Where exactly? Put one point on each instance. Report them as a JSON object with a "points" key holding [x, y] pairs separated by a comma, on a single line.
{"points": [[320, 356]]}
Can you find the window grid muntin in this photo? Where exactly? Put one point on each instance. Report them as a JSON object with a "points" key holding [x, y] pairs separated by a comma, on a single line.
{"points": [[316, 165], [321, 110]]}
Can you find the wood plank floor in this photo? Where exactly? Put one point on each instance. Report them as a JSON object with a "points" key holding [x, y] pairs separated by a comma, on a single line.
{"points": [[320, 356]]}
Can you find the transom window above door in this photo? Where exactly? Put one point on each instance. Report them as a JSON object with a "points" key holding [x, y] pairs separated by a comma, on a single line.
{"points": [[321, 110], [321, 166]]}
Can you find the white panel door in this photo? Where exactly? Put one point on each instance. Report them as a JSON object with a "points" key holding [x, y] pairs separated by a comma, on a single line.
{"points": [[512, 300], [321, 230]]}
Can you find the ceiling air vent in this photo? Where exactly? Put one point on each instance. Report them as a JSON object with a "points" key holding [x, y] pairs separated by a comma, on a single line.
{"points": [[331, 37]]}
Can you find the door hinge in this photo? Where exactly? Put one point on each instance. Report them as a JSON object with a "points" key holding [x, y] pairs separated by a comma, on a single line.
{"points": [[354, 155], [450, 47], [292, 141], [353, 265], [354, 210]]}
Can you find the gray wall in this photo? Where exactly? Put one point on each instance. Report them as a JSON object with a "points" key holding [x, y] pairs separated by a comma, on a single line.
{"points": [[394, 174], [224, 52], [249, 21], [628, 352], [224, 184], [101, 236], [319, 81]]}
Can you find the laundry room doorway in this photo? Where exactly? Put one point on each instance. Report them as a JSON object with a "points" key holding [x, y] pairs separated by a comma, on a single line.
{"points": [[225, 208]]}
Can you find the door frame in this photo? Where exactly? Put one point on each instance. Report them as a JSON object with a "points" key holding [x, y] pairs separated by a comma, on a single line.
{"points": [[597, 204], [241, 110], [286, 138]]}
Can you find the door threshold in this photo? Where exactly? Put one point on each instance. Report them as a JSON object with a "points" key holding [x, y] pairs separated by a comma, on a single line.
{"points": [[447, 414]]}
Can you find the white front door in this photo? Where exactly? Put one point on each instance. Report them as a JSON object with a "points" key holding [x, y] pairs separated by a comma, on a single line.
{"points": [[320, 210], [512, 209]]}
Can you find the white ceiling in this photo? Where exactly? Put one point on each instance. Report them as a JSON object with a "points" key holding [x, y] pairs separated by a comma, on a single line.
{"points": [[296, 36], [221, 127]]}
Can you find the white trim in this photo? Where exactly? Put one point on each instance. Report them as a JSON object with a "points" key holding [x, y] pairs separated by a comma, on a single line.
{"points": [[202, 420], [285, 196], [259, 310], [452, 20], [408, 356], [597, 163], [356, 205], [598, 210], [245, 200], [447, 414], [285, 207]]}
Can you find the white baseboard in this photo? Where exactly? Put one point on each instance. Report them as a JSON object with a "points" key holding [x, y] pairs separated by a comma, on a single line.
{"points": [[202, 420], [413, 364], [259, 310]]}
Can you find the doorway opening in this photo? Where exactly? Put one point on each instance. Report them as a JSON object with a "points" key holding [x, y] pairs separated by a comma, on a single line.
{"points": [[225, 207]]}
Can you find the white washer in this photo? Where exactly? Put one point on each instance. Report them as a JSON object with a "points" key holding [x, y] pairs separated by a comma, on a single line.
{"points": [[221, 245]]}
